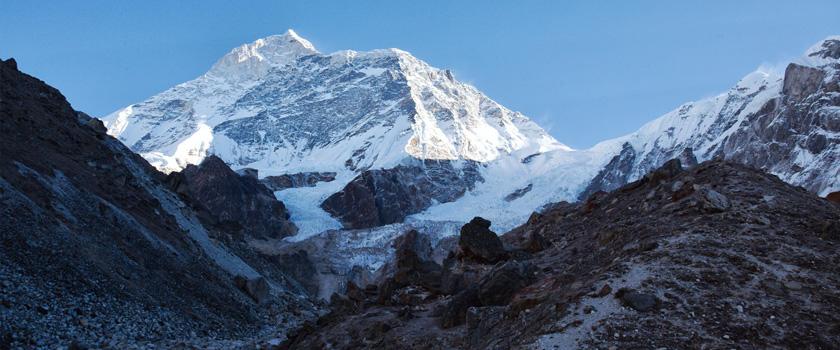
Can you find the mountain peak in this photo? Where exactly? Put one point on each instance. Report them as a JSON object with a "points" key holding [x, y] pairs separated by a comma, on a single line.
{"points": [[828, 48], [255, 58]]}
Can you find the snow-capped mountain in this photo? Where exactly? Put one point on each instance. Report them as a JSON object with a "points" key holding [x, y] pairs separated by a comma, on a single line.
{"points": [[281, 107], [397, 139], [785, 123], [278, 105]]}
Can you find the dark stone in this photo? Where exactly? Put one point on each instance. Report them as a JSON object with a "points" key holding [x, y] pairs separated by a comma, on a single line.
{"points": [[668, 170], [500, 285], [308, 179], [232, 202], [518, 193], [385, 196], [256, 288], [478, 243], [454, 312], [641, 302], [413, 266], [833, 197]]}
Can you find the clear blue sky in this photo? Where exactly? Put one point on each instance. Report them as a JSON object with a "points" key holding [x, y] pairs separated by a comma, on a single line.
{"points": [[586, 71]]}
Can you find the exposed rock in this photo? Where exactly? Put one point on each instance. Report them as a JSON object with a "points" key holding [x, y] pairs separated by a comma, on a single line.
{"points": [[256, 288], [615, 174], [518, 193], [801, 81], [413, 264], [833, 197], [455, 311], [386, 196], [641, 302], [713, 201], [249, 172], [308, 179], [233, 202], [499, 286], [479, 243]]}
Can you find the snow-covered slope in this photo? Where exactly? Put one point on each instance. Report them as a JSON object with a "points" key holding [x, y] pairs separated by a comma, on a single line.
{"points": [[280, 106], [787, 123]]}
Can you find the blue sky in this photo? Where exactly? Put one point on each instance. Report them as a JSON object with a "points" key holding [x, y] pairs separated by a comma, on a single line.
{"points": [[585, 70]]}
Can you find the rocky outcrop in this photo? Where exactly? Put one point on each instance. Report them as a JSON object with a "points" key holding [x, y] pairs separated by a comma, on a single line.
{"points": [[236, 203], [478, 243], [296, 180], [386, 196], [628, 269]]}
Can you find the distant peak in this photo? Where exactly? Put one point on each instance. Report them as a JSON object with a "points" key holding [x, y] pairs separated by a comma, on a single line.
{"points": [[828, 48], [256, 57]]}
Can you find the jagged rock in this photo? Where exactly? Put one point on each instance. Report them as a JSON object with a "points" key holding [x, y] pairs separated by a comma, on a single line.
{"points": [[413, 264], [641, 302], [668, 170], [499, 286], [479, 243], [231, 201], [256, 288], [518, 193], [308, 179], [385, 196]]}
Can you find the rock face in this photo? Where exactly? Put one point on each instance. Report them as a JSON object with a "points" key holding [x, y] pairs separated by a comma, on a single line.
{"points": [[94, 248], [308, 179], [628, 269], [380, 197], [234, 202]]}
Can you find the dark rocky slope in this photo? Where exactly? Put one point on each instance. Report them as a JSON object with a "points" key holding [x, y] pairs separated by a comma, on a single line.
{"points": [[719, 256], [96, 251]]}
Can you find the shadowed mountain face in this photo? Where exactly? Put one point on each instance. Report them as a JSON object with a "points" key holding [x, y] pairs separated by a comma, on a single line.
{"points": [[719, 256], [95, 249]]}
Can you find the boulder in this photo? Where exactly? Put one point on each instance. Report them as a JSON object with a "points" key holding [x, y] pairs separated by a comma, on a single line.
{"points": [[478, 243], [713, 201], [257, 288], [642, 302], [500, 285]]}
